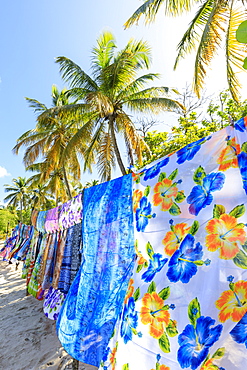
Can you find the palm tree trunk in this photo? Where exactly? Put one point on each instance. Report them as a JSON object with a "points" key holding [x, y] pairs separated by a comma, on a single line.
{"points": [[117, 152], [67, 183]]}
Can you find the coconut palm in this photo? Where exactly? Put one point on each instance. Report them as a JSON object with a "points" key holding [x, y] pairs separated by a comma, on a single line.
{"points": [[18, 194], [109, 96], [52, 187], [213, 26], [49, 139], [41, 197]]}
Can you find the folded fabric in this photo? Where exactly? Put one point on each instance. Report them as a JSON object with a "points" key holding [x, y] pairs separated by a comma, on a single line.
{"points": [[87, 318]]}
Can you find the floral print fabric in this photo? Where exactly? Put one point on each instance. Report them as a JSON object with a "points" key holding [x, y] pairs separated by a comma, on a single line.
{"points": [[186, 304], [70, 213], [53, 302], [88, 316]]}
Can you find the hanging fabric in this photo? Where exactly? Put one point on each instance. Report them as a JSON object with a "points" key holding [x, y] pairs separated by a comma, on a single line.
{"points": [[88, 315], [71, 212], [51, 220], [186, 305]]}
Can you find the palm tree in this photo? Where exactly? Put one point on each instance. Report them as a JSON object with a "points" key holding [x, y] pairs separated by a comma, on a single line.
{"points": [[91, 183], [49, 139], [104, 97], [41, 197], [52, 188], [19, 195], [215, 22]]}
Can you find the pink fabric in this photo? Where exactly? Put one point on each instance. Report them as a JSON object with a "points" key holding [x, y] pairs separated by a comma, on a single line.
{"points": [[51, 222]]}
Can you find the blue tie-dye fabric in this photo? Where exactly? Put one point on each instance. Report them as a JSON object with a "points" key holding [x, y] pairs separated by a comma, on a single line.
{"points": [[94, 302]]}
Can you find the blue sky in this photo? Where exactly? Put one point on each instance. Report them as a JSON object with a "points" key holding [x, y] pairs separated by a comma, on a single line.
{"points": [[34, 33]]}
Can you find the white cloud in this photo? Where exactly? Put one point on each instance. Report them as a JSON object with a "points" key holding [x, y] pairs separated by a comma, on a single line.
{"points": [[3, 172]]}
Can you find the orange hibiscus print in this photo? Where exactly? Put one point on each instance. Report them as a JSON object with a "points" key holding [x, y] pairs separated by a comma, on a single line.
{"points": [[228, 156], [209, 365], [113, 358], [163, 367], [233, 303], [226, 235], [130, 291], [137, 195], [154, 312], [174, 237], [164, 193]]}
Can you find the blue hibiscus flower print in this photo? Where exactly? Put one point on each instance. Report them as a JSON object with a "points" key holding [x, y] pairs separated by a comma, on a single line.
{"points": [[195, 342], [130, 321], [239, 332], [189, 151], [143, 214], [201, 196], [155, 265], [153, 171], [182, 264], [242, 163], [240, 125]]}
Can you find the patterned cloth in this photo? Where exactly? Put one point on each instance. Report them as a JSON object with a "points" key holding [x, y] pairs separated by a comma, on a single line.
{"points": [[70, 213], [53, 302], [51, 221], [76, 250], [34, 286], [94, 301], [48, 271], [40, 222], [186, 306], [34, 217], [59, 257], [65, 271], [9, 244]]}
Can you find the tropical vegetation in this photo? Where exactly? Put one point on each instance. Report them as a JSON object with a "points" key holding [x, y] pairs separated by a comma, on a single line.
{"points": [[213, 26], [107, 99]]}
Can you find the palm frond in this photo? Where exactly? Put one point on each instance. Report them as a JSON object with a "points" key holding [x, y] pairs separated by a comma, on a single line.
{"points": [[103, 53], [192, 36], [235, 51], [150, 9], [100, 103], [34, 137], [106, 157], [136, 85], [74, 75], [154, 105], [66, 112], [34, 151], [79, 140], [213, 21], [36, 105], [94, 143]]}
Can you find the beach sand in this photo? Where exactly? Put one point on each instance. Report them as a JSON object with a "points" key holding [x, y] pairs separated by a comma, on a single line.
{"points": [[28, 339]]}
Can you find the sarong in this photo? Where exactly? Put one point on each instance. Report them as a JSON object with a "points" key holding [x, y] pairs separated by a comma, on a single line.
{"points": [[94, 301], [65, 270], [186, 306], [76, 250], [70, 213]]}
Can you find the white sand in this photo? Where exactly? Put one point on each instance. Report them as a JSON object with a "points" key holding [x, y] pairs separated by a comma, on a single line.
{"points": [[28, 338]]}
